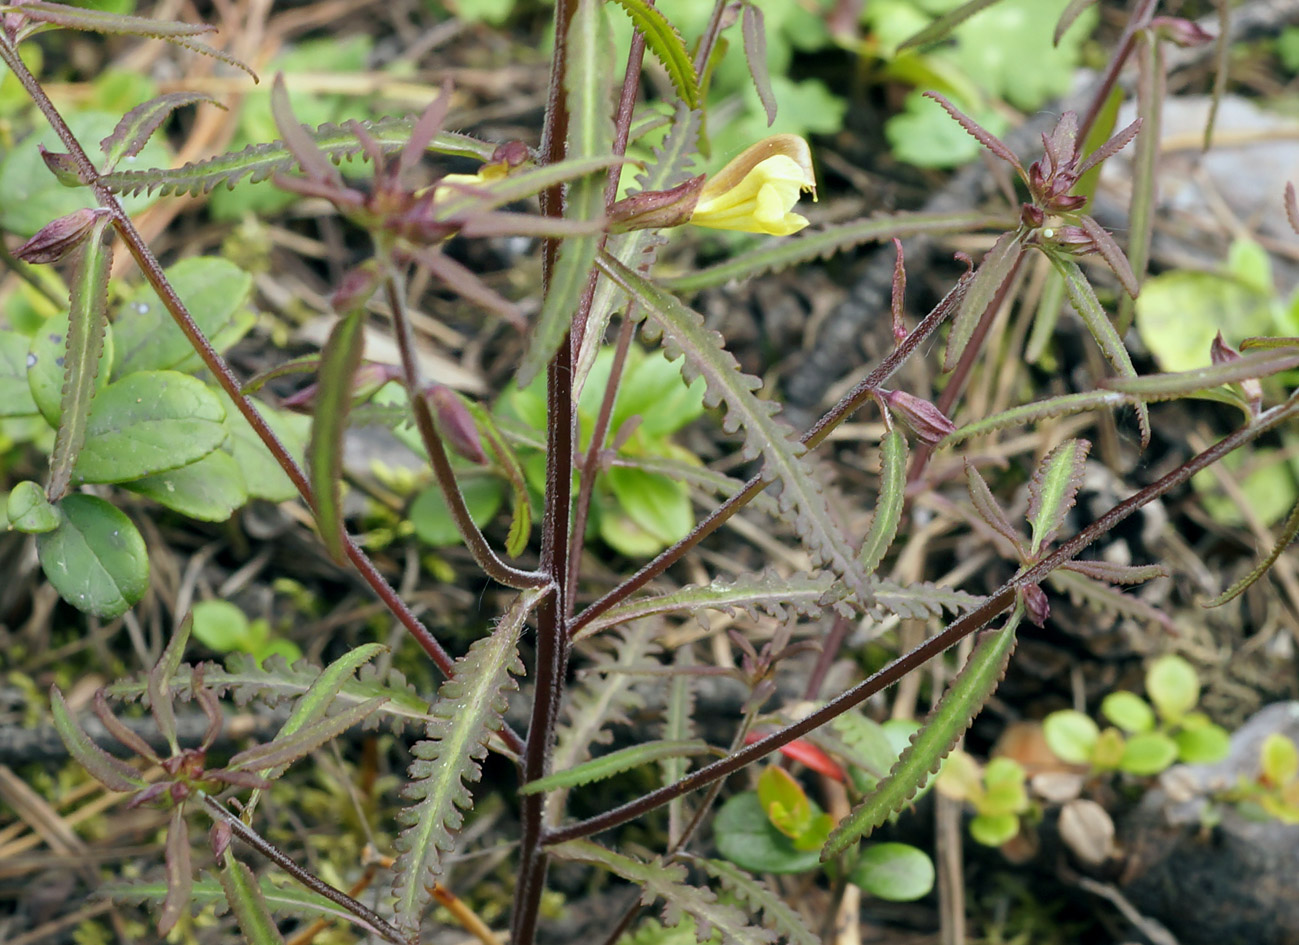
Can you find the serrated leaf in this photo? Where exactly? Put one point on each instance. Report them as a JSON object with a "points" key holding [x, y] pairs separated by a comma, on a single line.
{"points": [[286, 900], [665, 42], [1053, 490], [1288, 532], [588, 78], [754, 28], [986, 505], [315, 702], [96, 558], [780, 253], [705, 355], [286, 749], [113, 773], [1252, 364], [616, 762], [246, 902], [1101, 596], [888, 503], [1052, 407], [946, 723], [922, 599], [180, 874], [667, 881], [1083, 299], [1117, 573], [160, 677], [258, 162], [338, 364], [138, 125], [996, 268], [468, 709], [942, 27], [757, 897], [87, 316]]}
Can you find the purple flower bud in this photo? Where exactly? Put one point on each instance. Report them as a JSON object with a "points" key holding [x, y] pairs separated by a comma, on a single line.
{"points": [[925, 420], [1036, 606], [62, 167], [511, 154], [456, 423], [652, 209], [1180, 31], [220, 836], [355, 289], [1032, 215], [59, 237]]}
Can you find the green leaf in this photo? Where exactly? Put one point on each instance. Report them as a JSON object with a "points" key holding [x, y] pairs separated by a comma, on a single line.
{"points": [[159, 682], [652, 388], [209, 489], [897, 872], [705, 356], [508, 462], [215, 292], [995, 269], [15, 392], [469, 708], [616, 762], [992, 830], [746, 836], [1180, 312], [1278, 759], [138, 125], [87, 318], [946, 723], [220, 625], [873, 752], [432, 519], [149, 422], [113, 773], [246, 902], [1256, 363], [45, 362], [29, 511], [262, 475], [1053, 490], [285, 749], [1148, 753], [338, 363], [665, 42], [786, 804], [1028, 413], [1202, 744], [1173, 687], [756, 897], [1070, 735], [888, 502], [95, 559], [316, 701], [1129, 712], [657, 504]]}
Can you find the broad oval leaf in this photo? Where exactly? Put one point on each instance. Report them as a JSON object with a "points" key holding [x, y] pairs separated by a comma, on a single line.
{"points": [[45, 361], [1053, 490], [29, 511], [95, 559], [747, 837], [897, 872], [948, 721], [15, 391], [148, 422], [209, 489]]}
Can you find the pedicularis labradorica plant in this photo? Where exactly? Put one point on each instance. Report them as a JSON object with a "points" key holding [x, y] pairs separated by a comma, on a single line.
{"points": [[152, 407]]}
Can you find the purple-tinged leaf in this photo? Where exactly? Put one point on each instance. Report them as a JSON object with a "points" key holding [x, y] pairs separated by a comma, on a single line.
{"points": [[463, 282], [307, 364], [113, 773], [1102, 596], [1053, 490], [888, 502], [980, 134], [66, 170], [113, 725], [942, 27], [180, 874], [286, 749], [338, 363], [1109, 250], [1071, 13], [240, 779], [428, 125], [138, 125], [754, 27], [1111, 147], [87, 318], [988, 509], [247, 902], [211, 706], [1288, 532], [160, 677], [298, 139], [1255, 362], [1292, 207], [997, 266], [1117, 573]]}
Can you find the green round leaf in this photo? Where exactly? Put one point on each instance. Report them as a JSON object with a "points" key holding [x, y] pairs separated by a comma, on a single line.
{"points": [[220, 625], [262, 475], [992, 830], [209, 489], [45, 365], [1070, 735], [1148, 754], [894, 871], [1005, 794], [149, 422], [432, 519], [95, 559], [653, 389], [1202, 744], [29, 511], [1279, 759], [1129, 712], [1173, 686], [15, 391], [659, 505], [746, 837]]}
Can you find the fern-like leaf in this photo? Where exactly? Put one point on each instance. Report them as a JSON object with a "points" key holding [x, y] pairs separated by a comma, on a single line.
{"points": [[704, 355], [758, 897], [468, 709], [1100, 596], [138, 125], [284, 900]]}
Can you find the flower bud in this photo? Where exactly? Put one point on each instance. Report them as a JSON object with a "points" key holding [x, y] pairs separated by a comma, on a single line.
{"points": [[1180, 31], [1036, 607], [757, 191], [1222, 353], [220, 836], [511, 154], [925, 420], [652, 209], [456, 423], [58, 238]]}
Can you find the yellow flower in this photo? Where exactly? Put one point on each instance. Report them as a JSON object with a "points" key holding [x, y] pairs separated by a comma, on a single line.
{"points": [[757, 192]]}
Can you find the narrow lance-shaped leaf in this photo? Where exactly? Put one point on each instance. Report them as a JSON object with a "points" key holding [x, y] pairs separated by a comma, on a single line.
{"points": [[286, 749], [678, 724], [995, 269], [668, 881], [468, 709], [1053, 490], [888, 505], [113, 773], [160, 677], [338, 364], [588, 85], [705, 356], [757, 897], [616, 762], [315, 702], [754, 27], [1145, 161], [1254, 363], [1083, 298], [942, 27], [665, 42], [971, 688], [87, 316], [1071, 12], [1042, 410], [247, 903], [180, 874], [138, 125], [1288, 532], [520, 501], [1117, 573], [986, 505]]}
